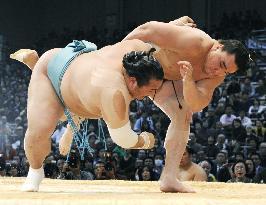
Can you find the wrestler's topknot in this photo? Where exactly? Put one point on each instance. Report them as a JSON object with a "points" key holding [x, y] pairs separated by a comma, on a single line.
{"points": [[143, 66]]}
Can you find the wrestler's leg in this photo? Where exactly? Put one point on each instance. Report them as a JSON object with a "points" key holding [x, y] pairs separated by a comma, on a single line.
{"points": [[43, 112], [27, 56], [176, 137], [67, 138]]}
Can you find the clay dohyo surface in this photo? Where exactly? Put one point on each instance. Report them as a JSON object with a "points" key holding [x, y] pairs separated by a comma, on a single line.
{"points": [[116, 192]]}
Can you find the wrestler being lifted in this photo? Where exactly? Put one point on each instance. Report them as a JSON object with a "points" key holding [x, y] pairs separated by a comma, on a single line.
{"points": [[91, 84]]}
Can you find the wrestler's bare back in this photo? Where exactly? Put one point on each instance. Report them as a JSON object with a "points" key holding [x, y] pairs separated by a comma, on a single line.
{"points": [[92, 73]]}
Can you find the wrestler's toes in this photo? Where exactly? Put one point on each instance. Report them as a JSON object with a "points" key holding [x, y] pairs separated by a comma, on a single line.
{"points": [[148, 140], [65, 143], [152, 141]]}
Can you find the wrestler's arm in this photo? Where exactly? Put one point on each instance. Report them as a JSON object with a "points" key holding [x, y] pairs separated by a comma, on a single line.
{"points": [[114, 108], [197, 94], [115, 114], [184, 21], [168, 36]]}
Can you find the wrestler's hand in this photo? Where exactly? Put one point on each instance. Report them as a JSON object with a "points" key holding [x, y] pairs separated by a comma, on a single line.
{"points": [[148, 139], [186, 70], [184, 21]]}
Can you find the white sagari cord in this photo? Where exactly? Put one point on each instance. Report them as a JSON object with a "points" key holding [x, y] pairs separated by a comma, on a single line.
{"points": [[33, 180]]}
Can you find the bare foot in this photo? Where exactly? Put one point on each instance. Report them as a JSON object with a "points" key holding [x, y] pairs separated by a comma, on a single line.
{"points": [[148, 140], [27, 56], [174, 185], [66, 141]]}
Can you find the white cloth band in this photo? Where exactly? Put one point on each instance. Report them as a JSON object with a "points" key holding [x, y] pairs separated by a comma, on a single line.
{"points": [[124, 136]]}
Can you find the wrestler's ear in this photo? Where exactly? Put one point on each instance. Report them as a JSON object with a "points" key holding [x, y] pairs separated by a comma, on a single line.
{"points": [[133, 82]]}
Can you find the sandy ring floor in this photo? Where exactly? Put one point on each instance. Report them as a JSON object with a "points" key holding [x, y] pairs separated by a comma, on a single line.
{"points": [[116, 192]]}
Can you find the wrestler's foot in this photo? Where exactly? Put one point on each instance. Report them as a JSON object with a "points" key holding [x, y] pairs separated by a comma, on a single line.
{"points": [[145, 141], [148, 139], [174, 185], [27, 56], [33, 180], [65, 142]]}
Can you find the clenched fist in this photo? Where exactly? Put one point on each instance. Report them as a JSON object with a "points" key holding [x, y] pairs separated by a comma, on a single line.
{"points": [[186, 70]]}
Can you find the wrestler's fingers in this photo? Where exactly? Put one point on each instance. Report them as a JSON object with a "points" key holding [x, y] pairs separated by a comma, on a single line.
{"points": [[184, 63], [193, 25], [186, 67]]}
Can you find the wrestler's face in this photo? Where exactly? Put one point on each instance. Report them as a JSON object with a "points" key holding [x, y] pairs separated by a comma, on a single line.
{"points": [[219, 62], [145, 90]]}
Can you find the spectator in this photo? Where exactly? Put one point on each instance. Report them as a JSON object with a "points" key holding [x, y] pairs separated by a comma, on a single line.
{"points": [[193, 144], [207, 168], [251, 134], [221, 142], [257, 162], [260, 177], [201, 156], [262, 152], [158, 168], [238, 132], [260, 90], [144, 174], [227, 118], [2, 165], [245, 121], [260, 131], [251, 168], [218, 163], [255, 109], [99, 171], [211, 149], [240, 172], [9, 152], [127, 165]]}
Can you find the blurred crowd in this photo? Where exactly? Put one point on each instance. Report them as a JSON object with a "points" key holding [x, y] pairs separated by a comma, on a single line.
{"points": [[227, 139]]}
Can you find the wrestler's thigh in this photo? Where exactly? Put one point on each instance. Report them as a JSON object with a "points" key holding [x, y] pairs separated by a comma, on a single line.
{"points": [[44, 108]]}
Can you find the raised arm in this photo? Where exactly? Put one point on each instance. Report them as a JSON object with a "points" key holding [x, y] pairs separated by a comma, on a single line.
{"points": [[184, 21], [197, 94], [168, 36]]}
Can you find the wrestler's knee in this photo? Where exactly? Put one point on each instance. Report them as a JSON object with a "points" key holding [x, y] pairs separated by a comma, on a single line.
{"points": [[38, 133], [33, 138]]}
